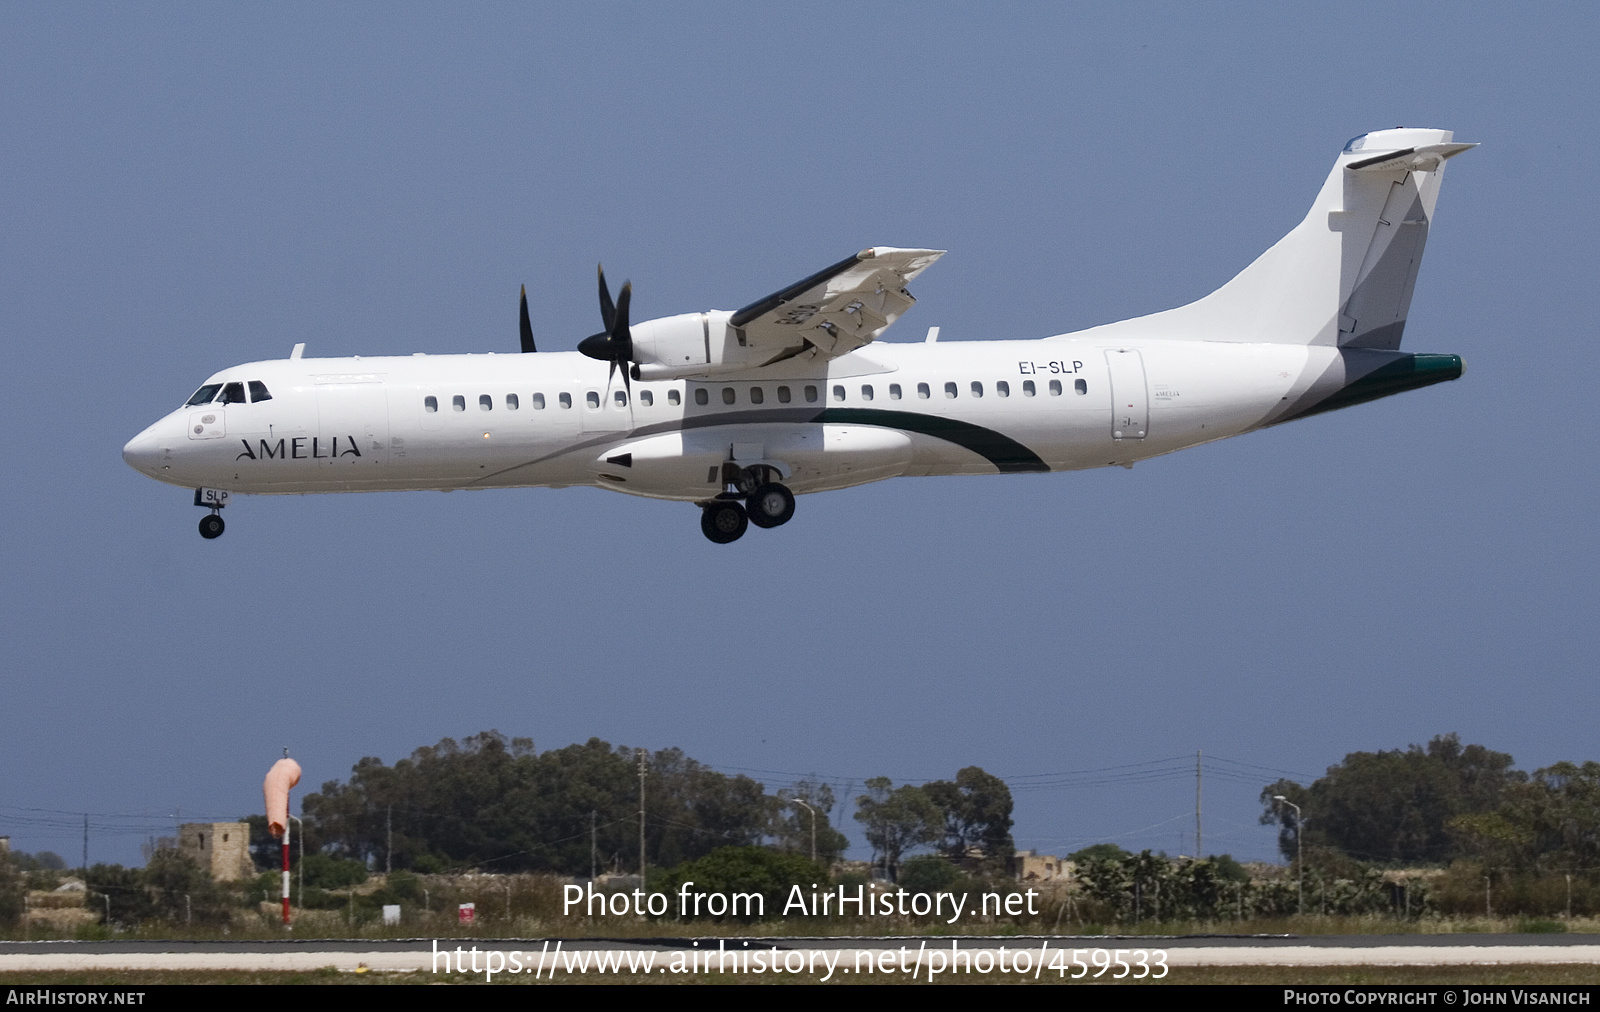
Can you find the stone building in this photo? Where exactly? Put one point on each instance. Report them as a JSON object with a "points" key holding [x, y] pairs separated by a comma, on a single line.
{"points": [[222, 848], [1035, 867]]}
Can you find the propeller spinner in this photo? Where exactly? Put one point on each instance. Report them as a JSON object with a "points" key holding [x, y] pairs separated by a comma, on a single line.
{"points": [[615, 343]]}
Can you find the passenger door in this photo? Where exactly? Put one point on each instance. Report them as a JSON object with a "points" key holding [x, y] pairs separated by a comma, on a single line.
{"points": [[1130, 398]]}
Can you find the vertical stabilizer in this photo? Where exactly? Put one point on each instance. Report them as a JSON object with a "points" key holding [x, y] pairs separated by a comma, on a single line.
{"points": [[1344, 276]]}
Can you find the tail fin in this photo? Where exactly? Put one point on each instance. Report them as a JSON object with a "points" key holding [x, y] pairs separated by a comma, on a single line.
{"points": [[1344, 276]]}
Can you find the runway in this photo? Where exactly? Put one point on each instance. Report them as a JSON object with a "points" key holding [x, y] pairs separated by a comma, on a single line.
{"points": [[544, 958]]}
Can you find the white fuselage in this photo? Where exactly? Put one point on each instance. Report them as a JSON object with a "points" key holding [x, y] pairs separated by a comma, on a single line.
{"points": [[552, 419]]}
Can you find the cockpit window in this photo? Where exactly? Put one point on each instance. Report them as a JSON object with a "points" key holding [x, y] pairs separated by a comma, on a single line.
{"points": [[233, 393], [203, 395], [258, 392]]}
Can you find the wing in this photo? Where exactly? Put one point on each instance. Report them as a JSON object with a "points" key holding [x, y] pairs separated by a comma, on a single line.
{"points": [[839, 308]]}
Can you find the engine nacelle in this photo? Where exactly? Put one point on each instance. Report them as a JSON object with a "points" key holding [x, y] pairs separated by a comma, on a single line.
{"points": [[690, 344]]}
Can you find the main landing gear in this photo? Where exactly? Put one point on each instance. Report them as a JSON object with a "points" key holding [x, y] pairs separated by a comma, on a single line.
{"points": [[766, 503]]}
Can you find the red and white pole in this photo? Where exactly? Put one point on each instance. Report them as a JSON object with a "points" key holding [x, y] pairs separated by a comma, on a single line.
{"points": [[285, 773], [286, 875]]}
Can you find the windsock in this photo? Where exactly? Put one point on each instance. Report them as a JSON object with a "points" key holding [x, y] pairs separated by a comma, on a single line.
{"points": [[285, 773]]}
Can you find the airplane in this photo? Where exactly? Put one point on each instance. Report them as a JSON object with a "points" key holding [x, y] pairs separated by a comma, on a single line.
{"points": [[740, 411]]}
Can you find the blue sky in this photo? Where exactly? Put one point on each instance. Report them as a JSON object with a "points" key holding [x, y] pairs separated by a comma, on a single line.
{"points": [[189, 187]]}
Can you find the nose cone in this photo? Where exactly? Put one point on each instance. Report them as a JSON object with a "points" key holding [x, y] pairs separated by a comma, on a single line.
{"points": [[144, 452]]}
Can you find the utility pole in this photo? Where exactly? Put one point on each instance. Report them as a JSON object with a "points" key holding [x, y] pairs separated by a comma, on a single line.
{"points": [[1299, 854], [388, 839], [641, 820], [1199, 850], [593, 853], [85, 843]]}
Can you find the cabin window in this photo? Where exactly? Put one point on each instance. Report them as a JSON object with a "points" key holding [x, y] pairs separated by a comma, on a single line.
{"points": [[233, 393], [430, 404], [538, 402], [783, 395], [619, 398], [1082, 386], [203, 395], [894, 391], [1028, 389], [485, 402], [811, 395], [949, 389], [756, 395], [592, 398], [923, 392], [702, 396], [565, 400], [1055, 388], [673, 397], [458, 402], [838, 393], [258, 392], [1003, 388], [977, 389], [512, 402], [728, 395], [866, 391], [646, 398]]}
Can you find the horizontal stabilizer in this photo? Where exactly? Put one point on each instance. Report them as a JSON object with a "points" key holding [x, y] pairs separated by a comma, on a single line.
{"points": [[1426, 158]]}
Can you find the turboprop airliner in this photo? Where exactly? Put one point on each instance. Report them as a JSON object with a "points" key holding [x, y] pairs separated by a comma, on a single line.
{"points": [[740, 411]]}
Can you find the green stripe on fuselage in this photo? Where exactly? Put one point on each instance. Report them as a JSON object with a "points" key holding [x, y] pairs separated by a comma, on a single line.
{"points": [[1005, 453], [1408, 372]]}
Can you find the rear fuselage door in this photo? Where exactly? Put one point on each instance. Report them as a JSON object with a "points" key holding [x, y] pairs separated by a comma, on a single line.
{"points": [[1130, 398]]}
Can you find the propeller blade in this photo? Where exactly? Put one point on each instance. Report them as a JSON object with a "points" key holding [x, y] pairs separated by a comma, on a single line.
{"points": [[622, 337], [527, 327], [607, 311]]}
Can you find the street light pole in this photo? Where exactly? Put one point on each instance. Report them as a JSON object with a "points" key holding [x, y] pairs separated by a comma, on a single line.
{"points": [[813, 812], [1299, 854]]}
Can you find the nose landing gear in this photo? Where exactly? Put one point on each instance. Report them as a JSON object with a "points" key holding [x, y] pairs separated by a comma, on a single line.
{"points": [[213, 499]]}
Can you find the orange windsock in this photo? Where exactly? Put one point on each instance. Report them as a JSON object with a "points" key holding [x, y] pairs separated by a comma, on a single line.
{"points": [[285, 773]]}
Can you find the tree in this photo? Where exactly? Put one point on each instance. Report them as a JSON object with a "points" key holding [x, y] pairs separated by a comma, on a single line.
{"points": [[182, 891], [495, 802], [897, 819], [1393, 805], [977, 817], [1550, 821], [791, 827], [13, 892]]}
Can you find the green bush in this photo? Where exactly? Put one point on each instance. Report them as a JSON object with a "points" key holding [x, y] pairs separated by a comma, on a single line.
{"points": [[729, 870], [929, 873]]}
